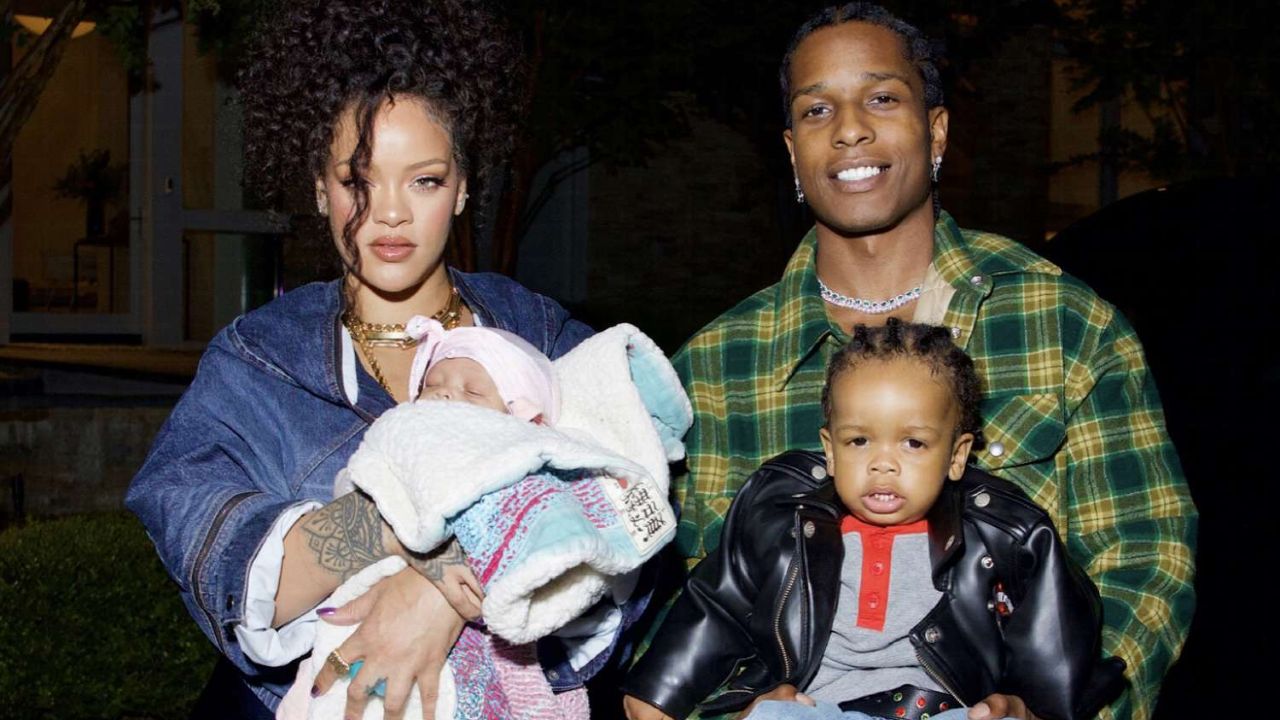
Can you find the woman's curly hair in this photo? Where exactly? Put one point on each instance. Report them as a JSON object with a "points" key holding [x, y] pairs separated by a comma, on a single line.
{"points": [[315, 58], [931, 345]]}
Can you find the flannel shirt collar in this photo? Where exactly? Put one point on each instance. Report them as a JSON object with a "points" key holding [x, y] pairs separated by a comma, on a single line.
{"points": [[970, 262], [801, 324], [970, 265]]}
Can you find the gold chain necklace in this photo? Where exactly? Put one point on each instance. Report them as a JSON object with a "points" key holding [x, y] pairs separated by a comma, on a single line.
{"points": [[371, 335]]}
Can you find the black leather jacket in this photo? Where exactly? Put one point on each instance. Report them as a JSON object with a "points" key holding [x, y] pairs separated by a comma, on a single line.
{"points": [[759, 610]]}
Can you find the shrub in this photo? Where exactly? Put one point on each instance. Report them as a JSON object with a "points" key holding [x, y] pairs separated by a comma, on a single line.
{"points": [[91, 626]]}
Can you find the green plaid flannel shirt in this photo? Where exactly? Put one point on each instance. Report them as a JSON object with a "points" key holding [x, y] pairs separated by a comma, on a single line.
{"points": [[1067, 396]]}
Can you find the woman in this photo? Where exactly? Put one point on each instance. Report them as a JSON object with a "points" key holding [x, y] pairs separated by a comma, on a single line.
{"points": [[389, 113]]}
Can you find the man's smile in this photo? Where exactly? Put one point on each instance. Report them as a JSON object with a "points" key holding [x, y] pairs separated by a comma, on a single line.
{"points": [[858, 173]]}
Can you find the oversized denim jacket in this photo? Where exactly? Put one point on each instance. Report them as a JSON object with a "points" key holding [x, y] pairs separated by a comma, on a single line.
{"points": [[266, 425]]}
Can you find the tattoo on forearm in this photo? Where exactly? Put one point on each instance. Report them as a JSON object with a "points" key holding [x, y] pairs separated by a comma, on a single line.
{"points": [[434, 564], [346, 534]]}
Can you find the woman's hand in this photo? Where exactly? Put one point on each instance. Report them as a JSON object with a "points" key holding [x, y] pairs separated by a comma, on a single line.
{"points": [[996, 706], [783, 693], [406, 631], [637, 709], [446, 567]]}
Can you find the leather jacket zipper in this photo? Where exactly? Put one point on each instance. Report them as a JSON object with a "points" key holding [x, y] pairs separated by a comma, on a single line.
{"points": [[934, 673], [218, 519], [792, 574]]}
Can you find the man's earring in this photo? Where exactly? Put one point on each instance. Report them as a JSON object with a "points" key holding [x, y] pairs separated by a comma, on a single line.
{"points": [[937, 169], [799, 192]]}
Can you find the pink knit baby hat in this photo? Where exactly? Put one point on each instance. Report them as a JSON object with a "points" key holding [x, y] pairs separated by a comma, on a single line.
{"points": [[524, 376]]}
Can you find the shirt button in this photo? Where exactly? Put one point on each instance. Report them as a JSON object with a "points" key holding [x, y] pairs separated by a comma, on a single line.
{"points": [[987, 562], [982, 500], [873, 601], [818, 472], [976, 279], [809, 528], [553, 675], [877, 568], [932, 635], [997, 449], [955, 332]]}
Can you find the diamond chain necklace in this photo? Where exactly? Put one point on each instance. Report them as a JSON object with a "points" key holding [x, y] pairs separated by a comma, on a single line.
{"points": [[871, 307]]}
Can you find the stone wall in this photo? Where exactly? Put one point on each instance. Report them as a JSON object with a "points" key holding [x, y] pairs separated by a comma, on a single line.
{"points": [[72, 459]]}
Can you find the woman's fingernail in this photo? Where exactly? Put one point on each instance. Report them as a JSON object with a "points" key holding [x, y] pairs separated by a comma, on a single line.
{"points": [[326, 611], [315, 691]]}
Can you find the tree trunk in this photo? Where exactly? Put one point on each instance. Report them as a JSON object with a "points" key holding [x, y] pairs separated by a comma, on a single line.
{"points": [[24, 84], [506, 226]]}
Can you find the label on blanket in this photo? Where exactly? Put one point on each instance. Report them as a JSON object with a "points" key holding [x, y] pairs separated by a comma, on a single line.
{"points": [[644, 511]]}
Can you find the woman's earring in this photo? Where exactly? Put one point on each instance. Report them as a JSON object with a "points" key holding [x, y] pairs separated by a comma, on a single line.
{"points": [[462, 203], [322, 205], [937, 169], [799, 192]]}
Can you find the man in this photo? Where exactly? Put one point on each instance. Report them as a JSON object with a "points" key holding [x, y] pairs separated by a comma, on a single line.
{"points": [[1071, 413]]}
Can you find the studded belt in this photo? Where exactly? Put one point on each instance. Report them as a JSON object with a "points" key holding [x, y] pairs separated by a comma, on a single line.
{"points": [[907, 701]]}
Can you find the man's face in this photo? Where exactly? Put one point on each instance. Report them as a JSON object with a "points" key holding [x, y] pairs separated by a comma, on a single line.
{"points": [[861, 140]]}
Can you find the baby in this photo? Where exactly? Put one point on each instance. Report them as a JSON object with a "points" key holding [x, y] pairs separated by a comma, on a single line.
{"points": [[883, 577], [550, 519]]}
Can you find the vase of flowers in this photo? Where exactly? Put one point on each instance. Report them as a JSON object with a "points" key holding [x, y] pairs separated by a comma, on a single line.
{"points": [[93, 180]]}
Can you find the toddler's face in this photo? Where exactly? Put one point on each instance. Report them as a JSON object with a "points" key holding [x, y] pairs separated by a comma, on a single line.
{"points": [[891, 441], [462, 380]]}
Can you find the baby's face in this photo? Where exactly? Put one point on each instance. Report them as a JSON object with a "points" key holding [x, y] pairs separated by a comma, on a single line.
{"points": [[891, 441], [462, 380]]}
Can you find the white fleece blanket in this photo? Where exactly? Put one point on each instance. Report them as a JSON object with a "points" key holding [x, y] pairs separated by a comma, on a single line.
{"points": [[623, 413], [623, 416]]}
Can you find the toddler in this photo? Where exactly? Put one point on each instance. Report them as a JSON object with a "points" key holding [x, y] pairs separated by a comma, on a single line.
{"points": [[883, 577]]}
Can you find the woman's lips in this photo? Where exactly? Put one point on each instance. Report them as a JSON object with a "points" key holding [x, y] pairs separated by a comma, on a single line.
{"points": [[392, 249]]}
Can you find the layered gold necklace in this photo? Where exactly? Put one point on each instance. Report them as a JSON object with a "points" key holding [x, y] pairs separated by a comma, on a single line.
{"points": [[392, 335]]}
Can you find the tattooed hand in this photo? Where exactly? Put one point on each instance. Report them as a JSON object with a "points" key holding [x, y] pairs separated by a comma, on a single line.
{"points": [[349, 534], [446, 567]]}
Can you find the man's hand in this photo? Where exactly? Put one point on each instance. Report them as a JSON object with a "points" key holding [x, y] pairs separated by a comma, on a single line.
{"points": [[783, 693], [637, 709], [997, 706]]}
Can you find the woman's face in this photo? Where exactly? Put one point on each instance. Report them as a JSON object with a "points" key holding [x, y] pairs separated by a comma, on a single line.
{"points": [[414, 189]]}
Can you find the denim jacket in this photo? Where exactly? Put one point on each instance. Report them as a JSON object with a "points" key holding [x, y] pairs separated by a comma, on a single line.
{"points": [[266, 425]]}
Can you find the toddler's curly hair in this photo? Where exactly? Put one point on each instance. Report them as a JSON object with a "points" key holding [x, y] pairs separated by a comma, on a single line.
{"points": [[931, 345]]}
